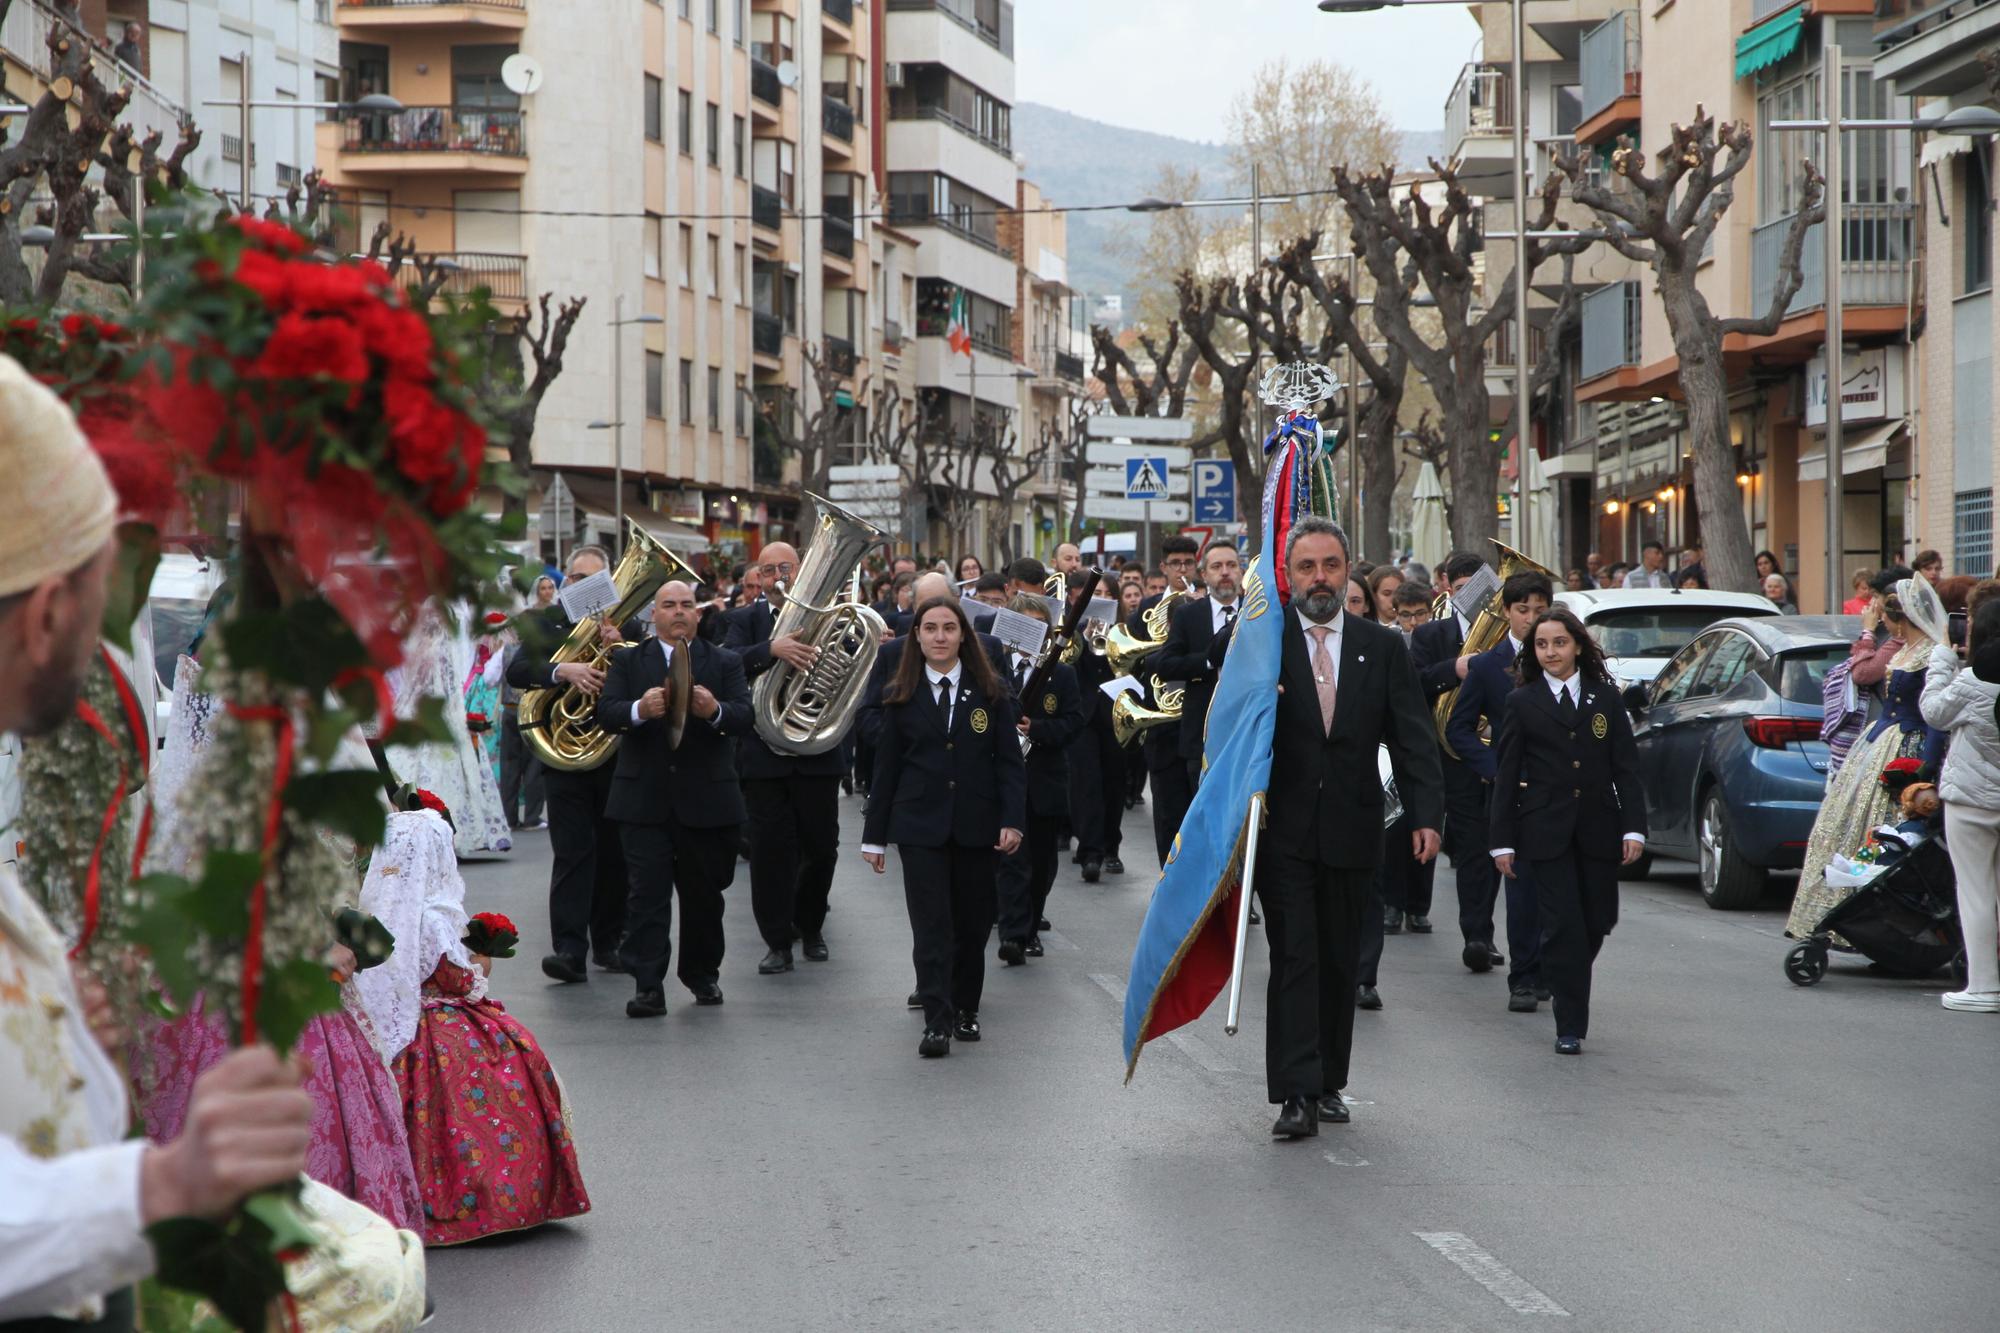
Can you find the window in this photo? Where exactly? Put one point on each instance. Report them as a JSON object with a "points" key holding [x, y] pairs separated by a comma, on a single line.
{"points": [[992, 323], [655, 243], [687, 392], [742, 164], [656, 389], [1734, 656], [687, 255], [655, 108], [932, 91], [715, 15], [476, 81], [714, 266], [687, 121], [742, 8], [741, 271], [715, 397], [686, 8], [932, 197], [771, 37], [742, 406], [714, 135], [1679, 675], [1976, 216], [772, 164], [1972, 533]]}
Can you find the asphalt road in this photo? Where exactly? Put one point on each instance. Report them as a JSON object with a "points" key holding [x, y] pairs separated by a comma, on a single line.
{"points": [[1731, 1152]]}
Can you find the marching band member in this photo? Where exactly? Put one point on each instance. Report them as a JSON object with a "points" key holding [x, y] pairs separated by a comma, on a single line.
{"points": [[1162, 745], [1048, 721], [1098, 780]]}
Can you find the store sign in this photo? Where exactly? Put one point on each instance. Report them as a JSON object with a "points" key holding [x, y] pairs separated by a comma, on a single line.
{"points": [[1871, 386], [683, 506]]}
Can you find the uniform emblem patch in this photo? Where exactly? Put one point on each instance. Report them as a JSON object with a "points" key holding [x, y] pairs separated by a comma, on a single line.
{"points": [[979, 720], [1599, 726], [1049, 704]]}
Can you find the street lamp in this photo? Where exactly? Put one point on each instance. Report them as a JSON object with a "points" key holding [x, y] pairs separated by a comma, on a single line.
{"points": [[616, 425], [242, 102]]}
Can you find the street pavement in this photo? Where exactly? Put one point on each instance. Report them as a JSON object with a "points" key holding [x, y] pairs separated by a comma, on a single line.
{"points": [[1731, 1151]]}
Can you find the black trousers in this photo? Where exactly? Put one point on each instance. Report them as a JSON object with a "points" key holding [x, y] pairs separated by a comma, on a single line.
{"points": [[1406, 886], [587, 882], [1097, 787], [949, 891], [794, 841], [1372, 922], [1577, 899], [1524, 926], [1465, 824], [520, 773], [1313, 917], [1024, 879], [664, 860], [1172, 793]]}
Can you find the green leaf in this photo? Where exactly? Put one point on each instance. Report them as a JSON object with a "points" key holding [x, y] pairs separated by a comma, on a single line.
{"points": [[281, 1217], [366, 937], [305, 644], [237, 1274], [348, 801], [220, 904], [131, 579], [293, 994], [512, 526], [326, 730]]}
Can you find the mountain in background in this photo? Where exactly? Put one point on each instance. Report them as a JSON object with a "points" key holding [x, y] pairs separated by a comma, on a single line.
{"points": [[1076, 160]]}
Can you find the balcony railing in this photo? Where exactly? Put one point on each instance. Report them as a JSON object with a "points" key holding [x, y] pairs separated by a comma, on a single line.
{"points": [[24, 36], [438, 129], [1763, 9], [505, 277], [1876, 248], [841, 11], [840, 355], [992, 21], [1069, 366], [1610, 329], [764, 85], [767, 208], [1609, 62], [837, 235], [837, 119], [1479, 104], [767, 334], [1500, 347], [432, 4], [1003, 144]]}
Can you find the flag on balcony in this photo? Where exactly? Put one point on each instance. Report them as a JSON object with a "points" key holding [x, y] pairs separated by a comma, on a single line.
{"points": [[958, 330]]}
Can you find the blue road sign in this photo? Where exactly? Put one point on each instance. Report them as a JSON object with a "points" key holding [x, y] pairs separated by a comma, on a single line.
{"points": [[1214, 491], [1146, 478]]}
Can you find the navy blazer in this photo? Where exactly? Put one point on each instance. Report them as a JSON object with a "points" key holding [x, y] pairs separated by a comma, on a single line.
{"points": [[1557, 786], [1055, 718], [930, 788], [1489, 680], [695, 785], [542, 634], [749, 636], [868, 722], [1435, 648]]}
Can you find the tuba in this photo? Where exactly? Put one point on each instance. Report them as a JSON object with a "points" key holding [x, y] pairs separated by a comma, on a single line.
{"points": [[808, 712], [1487, 630], [560, 723]]}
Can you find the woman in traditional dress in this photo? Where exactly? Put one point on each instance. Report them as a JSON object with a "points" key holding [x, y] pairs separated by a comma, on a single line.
{"points": [[1856, 800], [436, 661], [482, 689], [487, 1120]]}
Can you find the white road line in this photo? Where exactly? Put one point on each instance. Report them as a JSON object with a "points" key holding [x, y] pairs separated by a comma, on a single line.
{"points": [[1050, 939], [1112, 986], [1345, 1157], [1522, 1297], [1203, 1054]]}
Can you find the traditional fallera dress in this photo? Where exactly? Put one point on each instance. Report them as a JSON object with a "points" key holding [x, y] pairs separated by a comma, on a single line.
{"points": [[487, 1118], [436, 662], [482, 697]]}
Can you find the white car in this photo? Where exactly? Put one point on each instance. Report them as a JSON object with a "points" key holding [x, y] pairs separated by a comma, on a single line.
{"points": [[1640, 629]]}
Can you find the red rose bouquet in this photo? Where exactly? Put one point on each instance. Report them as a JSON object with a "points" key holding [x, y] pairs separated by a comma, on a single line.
{"points": [[477, 724], [1900, 773], [491, 934]]}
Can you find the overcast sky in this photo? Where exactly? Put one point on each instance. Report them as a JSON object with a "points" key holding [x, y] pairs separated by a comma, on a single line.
{"points": [[1175, 65]]}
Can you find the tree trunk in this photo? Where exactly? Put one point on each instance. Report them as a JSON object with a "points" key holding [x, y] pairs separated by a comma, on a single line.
{"points": [[1473, 465], [1378, 472], [1725, 536]]}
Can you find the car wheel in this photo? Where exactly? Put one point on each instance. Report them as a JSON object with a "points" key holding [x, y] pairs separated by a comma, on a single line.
{"points": [[1728, 882]]}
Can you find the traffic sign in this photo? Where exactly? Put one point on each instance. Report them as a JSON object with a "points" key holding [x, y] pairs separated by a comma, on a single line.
{"points": [[864, 472], [1114, 455], [558, 514], [1145, 478], [1215, 491], [1140, 428], [1111, 481], [1158, 511], [1202, 535]]}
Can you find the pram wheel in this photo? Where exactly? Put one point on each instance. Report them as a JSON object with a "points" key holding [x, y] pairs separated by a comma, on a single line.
{"points": [[1806, 963]]}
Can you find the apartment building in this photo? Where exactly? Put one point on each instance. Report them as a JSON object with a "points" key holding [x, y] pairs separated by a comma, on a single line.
{"points": [[1048, 338]]}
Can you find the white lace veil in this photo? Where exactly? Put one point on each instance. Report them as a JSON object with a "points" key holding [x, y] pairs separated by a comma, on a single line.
{"points": [[414, 889]]}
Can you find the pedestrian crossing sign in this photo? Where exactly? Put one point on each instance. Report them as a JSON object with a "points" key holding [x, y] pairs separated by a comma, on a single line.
{"points": [[1146, 478]]}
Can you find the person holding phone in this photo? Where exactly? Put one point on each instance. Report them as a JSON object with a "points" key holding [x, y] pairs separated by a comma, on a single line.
{"points": [[950, 790], [1567, 800]]}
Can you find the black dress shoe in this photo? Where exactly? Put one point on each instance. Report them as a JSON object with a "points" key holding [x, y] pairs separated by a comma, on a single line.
{"points": [[967, 1027], [1419, 925], [935, 1043], [1542, 992], [1333, 1109], [562, 968], [1034, 946], [1013, 953], [1392, 923], [1093, 870], [646, 1004], [915, 1001], [815, 949], [776, 961], [608, 962], [706, 992], [1113, 866], [1478, 955], [1367, 997], [1569, 1046], [1255, 920], [1298, 1120], [1521, 1000], [1494, 956], [847, 785], [1042, 923]]}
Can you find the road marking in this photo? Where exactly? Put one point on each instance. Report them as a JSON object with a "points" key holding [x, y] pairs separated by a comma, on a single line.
{"points": [[1345, 1157], [1203, 1054], [1112, 986], [1522, 1297], [1051, 939]]}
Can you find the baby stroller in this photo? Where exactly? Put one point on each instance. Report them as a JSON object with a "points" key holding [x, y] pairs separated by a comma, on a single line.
{"points": [[1903, 917]]}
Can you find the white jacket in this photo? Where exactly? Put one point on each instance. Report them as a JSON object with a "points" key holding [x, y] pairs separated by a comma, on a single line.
{"points": [[1957, 701]]}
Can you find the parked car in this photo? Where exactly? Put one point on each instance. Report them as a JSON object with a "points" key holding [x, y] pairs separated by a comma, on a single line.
{"points": [[1640, 629], [1730, 753]]}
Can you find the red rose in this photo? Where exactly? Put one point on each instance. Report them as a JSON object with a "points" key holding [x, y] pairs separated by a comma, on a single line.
{"points": [[400, 338], [429, 801], [495, 922], [303, 349], [81, 325], [265, 275], [273, 236], [495, 619], [326, 288]]}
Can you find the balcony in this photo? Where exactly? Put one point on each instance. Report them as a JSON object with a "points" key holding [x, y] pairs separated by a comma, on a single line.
{"points": [[24, 36], [839, 11], [370, 16], [764, 85], [436, 140], [837, 119], [1936, 51], [840, 355], [767, 335], [837, 236], [998, 142], [992, 21], [1876, 246], [1610, 328], [1069, 366], [504, 277], [767, 208], [1763, 9], [1610, 73], [1478, 131]]}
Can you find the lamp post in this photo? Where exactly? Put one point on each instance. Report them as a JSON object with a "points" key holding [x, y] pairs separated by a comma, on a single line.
{"points": [[616, 425]]}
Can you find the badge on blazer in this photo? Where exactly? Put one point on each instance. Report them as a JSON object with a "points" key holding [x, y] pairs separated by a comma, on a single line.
{"points": [[1049, 704], [1599, 726], [979, 720]]}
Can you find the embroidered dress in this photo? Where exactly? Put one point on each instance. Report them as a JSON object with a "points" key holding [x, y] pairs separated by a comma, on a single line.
{"points": [[482, 696], [435, 665]]}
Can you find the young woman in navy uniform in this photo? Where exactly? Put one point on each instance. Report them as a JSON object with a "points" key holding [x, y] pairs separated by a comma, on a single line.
{"points": [[1567, 801], [950, 791]]}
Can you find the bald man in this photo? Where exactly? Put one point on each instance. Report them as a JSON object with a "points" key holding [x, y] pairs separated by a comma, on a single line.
{"points": [[793, 800], [1069, 559]]}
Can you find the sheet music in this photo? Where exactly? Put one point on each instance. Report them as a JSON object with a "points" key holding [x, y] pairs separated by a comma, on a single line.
{"points": [[1478, 590], [1123, 685], [588, 596], [1024, 634], [1102, 609]]}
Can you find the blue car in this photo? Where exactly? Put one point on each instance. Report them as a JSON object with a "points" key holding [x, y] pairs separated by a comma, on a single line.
{"points": [[1730, 753]]}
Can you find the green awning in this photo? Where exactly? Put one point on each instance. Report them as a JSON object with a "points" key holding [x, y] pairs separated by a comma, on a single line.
{"points": [[1768, 43]]}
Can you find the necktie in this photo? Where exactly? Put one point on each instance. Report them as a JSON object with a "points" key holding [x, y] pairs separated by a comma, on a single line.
{"points": [[944, 703], [1228, 615], [1021, 674], [1566, 706], [1322, 667]]}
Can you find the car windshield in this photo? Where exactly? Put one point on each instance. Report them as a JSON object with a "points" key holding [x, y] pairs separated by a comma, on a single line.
{"points": [[1652, 631], [175, 623], [1802, 674]]}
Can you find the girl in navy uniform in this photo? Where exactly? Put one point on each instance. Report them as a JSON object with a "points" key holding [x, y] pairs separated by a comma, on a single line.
{"points": [[1567, 801], [950, 791]]}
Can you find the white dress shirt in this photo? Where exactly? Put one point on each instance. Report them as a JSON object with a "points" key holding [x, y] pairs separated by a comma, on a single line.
{"points": [[931, 679], [1306, 628], [1222, 613], [1573, 687], [668, 649]]}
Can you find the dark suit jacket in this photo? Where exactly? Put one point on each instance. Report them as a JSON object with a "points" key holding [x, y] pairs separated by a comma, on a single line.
{"points": [[931, 789], [1558, 787], [1435, 648], [1193, 654], [748, 635], [1325, 798], [1055, 718], [1161, 745], [868, 724], [1489, 680], [541, 635], [1093, 671], [695, 785]]}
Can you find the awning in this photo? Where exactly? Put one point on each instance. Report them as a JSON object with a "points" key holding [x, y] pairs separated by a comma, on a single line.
{"points": [[1769, 42], [1861, 450], [674, 536], [1941, 146]]}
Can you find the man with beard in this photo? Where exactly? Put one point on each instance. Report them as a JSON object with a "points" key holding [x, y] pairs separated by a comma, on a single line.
{"points": [[1069, 559], [1346, 687], [76, 1195]]}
